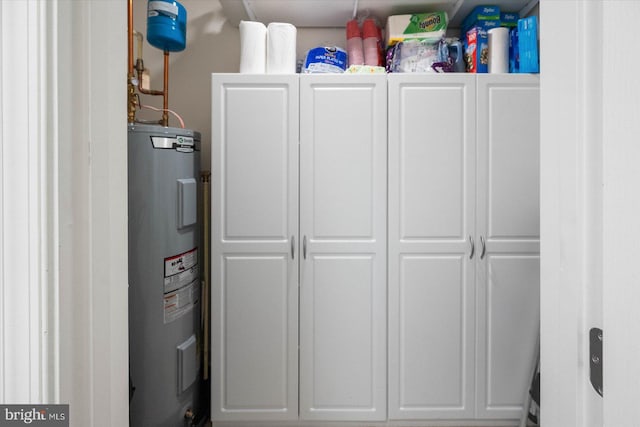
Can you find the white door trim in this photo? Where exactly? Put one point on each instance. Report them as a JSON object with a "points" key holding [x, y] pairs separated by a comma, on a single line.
{"points": [[92, 195], [27, 282], [63, 257], [620, 291], [571, 208]]}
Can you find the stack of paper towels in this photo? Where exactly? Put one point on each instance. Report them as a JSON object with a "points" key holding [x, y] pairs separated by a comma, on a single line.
{"points": [[267, 49]]}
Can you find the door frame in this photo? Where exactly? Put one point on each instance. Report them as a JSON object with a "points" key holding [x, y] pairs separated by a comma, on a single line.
{"points": [[620, 290], [564, 196], [92, 192], [566, 130], [72, 282], [589, 227]]}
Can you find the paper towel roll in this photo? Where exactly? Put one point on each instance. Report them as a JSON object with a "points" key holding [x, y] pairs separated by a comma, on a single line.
{"points": [[253, 47], [498, 50], [281, 48]]}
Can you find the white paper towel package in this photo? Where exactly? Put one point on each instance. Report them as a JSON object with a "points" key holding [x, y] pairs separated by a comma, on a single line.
{"points": [[498, 50], [281, 48], [253, 47]]}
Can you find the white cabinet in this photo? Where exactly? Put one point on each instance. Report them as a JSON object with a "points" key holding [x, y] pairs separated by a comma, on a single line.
{"points": [[320, 243], [508, 220], [343, 191], [254, 225], [317, 263], [463, 244], [431, 222]]}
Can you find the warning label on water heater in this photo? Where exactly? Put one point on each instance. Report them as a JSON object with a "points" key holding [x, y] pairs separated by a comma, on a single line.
{"points": [[181, 284]]}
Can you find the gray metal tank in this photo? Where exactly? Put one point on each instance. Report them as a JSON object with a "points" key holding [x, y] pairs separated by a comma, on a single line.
{"points": [[164, 276]]}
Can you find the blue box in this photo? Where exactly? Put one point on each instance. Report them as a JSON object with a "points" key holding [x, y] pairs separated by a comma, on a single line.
{"points": [[476, 51], [528, 45], [483, 24], [509, 19], [481, 13], [514, 55]]}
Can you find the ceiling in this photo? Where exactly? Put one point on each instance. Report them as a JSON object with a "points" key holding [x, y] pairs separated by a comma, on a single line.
{"points": [[336, 13]]}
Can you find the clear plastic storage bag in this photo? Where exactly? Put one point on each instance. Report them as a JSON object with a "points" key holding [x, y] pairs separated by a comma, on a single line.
{"points": [[419, 56]]}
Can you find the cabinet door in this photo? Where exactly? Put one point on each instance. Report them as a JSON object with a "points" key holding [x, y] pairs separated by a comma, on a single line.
{"points": [[343, 236], [431, 221], [508, 277], [254, 264]]}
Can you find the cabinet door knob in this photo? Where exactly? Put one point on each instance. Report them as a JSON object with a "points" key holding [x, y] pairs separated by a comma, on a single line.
{"points": [[304, 247], [484, 247], [293, 247], [473, 247]]}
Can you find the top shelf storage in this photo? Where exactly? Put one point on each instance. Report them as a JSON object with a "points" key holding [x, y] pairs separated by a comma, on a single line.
{"points": [[336, 13]]}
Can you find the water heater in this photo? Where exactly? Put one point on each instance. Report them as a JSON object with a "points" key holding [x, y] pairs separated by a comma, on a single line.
{"points": [[164, 276]]}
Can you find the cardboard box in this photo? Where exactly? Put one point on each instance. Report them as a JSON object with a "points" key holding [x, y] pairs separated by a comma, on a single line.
{"points": [[509, 19], [476, 51], [481, 13], [483, 24], [528, 45]]}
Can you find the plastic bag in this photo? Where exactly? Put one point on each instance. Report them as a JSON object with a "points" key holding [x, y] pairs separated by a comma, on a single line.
{"points": [[419, 56]]}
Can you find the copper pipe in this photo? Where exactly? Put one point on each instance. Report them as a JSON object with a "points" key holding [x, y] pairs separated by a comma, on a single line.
{"points": [[139, 71], [164, 93], [147, 91], [139, 68], [165, 97], [131, 91], [130, 34]]}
